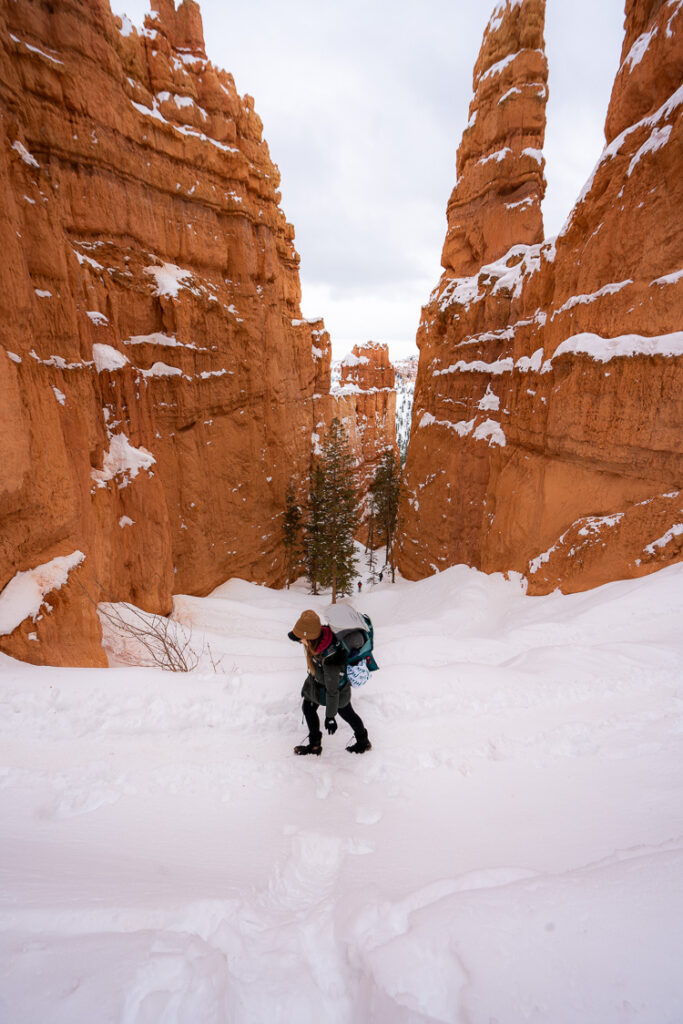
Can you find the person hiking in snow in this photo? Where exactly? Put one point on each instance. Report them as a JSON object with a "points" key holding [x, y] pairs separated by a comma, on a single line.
{"points": [[326, 661]]}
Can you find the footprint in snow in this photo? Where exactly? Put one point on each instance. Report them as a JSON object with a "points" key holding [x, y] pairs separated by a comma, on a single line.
{"points": [[368, 816], [323, 786], [358, 847], [82, 794], [310, 873]]}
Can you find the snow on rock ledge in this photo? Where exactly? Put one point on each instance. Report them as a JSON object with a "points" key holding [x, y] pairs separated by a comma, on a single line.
{"points": [[25, 593], [602, 350], [122, 459], [107, 358], [168, 278]]}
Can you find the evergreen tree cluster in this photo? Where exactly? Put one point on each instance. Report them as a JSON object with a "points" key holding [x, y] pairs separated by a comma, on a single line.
{"points": [[384, 498], [291, 534], [319, 539]]}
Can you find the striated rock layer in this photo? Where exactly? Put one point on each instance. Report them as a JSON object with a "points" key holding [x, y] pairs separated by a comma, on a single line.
{"points": [[156, 377], [547, 433]]}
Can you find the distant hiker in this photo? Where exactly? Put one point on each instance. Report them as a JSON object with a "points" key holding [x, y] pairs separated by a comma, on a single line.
{"points": [[381, 575], [360, 586], [326, 685]]}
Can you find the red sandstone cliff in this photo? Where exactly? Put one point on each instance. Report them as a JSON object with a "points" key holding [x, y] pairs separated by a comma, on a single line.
{"points": [[547, 428], [156, 378]]}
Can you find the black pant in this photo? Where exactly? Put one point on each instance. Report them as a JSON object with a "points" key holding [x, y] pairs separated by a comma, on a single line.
{"points": [[310, 711]]}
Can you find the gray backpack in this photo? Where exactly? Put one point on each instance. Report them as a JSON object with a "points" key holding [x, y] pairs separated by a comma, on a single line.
{"points": [[355, 633]]}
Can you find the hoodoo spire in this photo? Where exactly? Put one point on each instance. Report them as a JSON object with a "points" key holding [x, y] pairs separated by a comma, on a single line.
{"points": [[546, 433], [182, 27], [496, 202]]}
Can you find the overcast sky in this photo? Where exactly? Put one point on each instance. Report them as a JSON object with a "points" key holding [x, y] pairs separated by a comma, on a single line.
{"points": [[363, 106]]}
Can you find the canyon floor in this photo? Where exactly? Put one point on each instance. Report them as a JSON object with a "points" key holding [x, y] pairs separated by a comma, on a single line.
{"points": [[510, 850]]}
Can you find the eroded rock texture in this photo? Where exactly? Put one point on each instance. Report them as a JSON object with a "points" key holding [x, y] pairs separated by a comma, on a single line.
{"points": [[547, 430], [156, 377]]}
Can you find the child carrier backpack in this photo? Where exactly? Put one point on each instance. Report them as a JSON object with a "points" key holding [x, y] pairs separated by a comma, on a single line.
{"points": [[355, 634]]}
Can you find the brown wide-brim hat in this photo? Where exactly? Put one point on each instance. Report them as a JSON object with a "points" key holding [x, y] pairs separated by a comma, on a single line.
{"points": [[308, 626]]}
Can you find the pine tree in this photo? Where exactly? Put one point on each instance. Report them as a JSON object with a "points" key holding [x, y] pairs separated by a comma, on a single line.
{"points": [[333, 515], [291, 534], [340, 509], [314, 539], [385, 490], [370, 545]]}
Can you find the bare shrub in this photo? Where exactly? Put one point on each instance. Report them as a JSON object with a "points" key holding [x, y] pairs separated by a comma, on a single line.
{"points": [[162, 640], [139, 637]]}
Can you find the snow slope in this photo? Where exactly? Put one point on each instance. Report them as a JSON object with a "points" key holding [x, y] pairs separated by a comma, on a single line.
{"points": [[511, 850]]}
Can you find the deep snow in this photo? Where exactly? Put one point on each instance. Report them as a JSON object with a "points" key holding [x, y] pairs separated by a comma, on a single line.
{"points": [[510, 850]]}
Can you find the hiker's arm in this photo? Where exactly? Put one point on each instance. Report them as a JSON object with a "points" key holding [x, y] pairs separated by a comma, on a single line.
{"points": [[333, 671]]}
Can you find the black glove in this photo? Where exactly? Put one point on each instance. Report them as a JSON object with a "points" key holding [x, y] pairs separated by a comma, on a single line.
{"points": [[331, 726]]}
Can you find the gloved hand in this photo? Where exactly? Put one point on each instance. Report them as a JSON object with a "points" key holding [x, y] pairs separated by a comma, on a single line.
{"points": [[331, 725]]}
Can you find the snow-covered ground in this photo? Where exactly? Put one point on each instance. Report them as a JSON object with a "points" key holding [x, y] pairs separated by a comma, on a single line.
{"points": [[511, 849]]}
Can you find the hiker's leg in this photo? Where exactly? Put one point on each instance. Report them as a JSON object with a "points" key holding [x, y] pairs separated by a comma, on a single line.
{"points": [[355, 721], [310, 711], [361, 733]]}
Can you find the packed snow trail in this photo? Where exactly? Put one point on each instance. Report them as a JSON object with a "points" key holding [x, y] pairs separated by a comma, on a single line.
{"points": [[510, 850]]}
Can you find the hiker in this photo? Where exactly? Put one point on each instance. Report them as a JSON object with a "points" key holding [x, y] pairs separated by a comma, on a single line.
{"points": [[381, 575], [326, 661], [360, 586]]}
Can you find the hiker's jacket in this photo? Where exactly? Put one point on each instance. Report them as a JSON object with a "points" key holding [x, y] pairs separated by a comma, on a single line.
{"points": [[329, 686]]}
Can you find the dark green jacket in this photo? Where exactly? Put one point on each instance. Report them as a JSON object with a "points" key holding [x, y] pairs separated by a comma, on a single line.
{"points": [[324, 688]]}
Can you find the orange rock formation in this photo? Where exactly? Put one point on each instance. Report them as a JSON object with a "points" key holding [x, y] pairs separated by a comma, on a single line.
{"points": [[368, 368], [156, 377], [547, 428]]}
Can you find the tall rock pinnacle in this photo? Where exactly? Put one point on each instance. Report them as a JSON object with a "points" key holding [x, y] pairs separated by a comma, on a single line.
{"points": [[182, 27], [496, 202], [547, 430]]}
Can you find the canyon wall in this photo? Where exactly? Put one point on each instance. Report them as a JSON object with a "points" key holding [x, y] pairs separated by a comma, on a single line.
{"points": [[547, 433], [157, 380]]}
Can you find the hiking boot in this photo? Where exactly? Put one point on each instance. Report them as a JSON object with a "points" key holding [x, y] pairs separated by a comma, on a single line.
{"points": [[309, 748], [360, 746]]}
